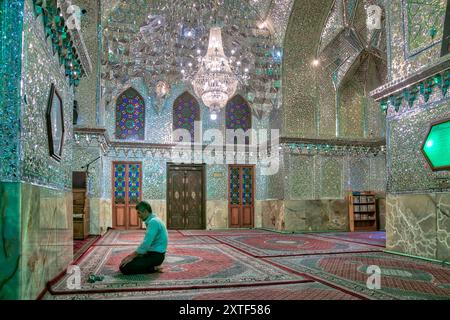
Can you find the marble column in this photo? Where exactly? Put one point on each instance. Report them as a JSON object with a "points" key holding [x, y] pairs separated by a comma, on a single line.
{"points": [[10, 227]]}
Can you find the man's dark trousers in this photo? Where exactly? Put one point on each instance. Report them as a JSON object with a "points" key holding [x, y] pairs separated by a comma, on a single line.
{"points": [[142, 264]]}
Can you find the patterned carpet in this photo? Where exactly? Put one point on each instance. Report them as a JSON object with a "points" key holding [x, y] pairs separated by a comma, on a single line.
{"points": [[376, 238], [243, 264], [186, 266], [270, 245], [135, 237], [224, 232], [298, 291], [401, 277], [80, 246]]}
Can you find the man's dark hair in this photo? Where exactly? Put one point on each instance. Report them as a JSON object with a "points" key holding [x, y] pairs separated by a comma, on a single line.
{"points": [[144, 205]]}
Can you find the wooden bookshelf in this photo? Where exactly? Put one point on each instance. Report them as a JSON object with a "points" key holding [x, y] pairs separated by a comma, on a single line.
{"points": [[362, 211], [80, 206]]}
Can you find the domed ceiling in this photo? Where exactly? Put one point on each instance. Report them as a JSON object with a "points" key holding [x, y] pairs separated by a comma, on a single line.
{"points": [[162, 42]]}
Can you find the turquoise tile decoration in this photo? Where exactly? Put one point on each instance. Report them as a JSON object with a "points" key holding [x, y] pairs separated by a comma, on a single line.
{"points": [[11, 26]]}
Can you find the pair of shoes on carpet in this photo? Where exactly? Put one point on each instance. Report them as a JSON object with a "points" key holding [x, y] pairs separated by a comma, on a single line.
{"points": [[94, 278]]}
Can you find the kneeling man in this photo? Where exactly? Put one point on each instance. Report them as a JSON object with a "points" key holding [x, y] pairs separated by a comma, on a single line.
{"points": [[151, 252]]}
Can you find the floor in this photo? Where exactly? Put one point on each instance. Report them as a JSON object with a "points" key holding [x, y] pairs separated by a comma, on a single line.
{"points": [[255, 265]]}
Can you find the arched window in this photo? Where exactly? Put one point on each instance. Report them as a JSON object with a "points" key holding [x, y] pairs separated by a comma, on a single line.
{"points": [[130, 116], [186, 111], [238, 116]]}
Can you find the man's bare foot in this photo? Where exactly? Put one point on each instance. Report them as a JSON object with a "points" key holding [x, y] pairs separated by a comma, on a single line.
{"points": [[159, 269]]}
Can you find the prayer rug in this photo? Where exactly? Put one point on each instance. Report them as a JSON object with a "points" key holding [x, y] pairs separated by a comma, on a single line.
{"points": [[224, 232], [270, 245], [375, 238], [80, 246], [135, 237], [400, 278], [185, 266], [297, 291]]}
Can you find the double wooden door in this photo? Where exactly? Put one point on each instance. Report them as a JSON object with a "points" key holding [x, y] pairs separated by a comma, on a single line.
{"points": [[127, 193], [241, 202], [186, 202]]}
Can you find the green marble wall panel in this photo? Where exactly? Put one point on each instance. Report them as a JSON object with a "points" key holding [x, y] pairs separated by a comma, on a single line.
{"points": [[443, 226], [216, 214], [11, 26], [40, 69], [46, 237], [316, 215], [411, 224], [411, 46], [272, 214], [381, 207], [407, 168], [10, 240], [87, 92]]}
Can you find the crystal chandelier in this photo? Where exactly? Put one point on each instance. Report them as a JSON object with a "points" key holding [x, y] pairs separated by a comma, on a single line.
{"points": [[214, 82]]}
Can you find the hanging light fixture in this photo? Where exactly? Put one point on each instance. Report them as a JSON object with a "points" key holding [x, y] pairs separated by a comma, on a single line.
{"points": [[214, 82]]}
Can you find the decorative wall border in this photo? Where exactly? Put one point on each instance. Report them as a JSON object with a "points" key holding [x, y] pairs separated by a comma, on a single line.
{"points": [[65, 41], [408, 89]]}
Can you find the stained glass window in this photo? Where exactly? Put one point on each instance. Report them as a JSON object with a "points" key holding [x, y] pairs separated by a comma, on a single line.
{"points": [[127, 179], [119, 183], [186, 111], [238, 115], [130, 116], [133, 183], [235, 197], [247, 182]]}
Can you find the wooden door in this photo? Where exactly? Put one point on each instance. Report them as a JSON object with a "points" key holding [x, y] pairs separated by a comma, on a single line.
{"points": [[127, 193], [241, 202], [186, 200]]}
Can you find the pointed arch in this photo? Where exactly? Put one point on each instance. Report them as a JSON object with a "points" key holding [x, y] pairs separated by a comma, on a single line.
{"points": [[185, 111], [130, 115], [238, 114]]}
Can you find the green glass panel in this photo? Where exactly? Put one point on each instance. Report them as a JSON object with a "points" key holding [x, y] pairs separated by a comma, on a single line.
{"points": [[437, 145]]}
